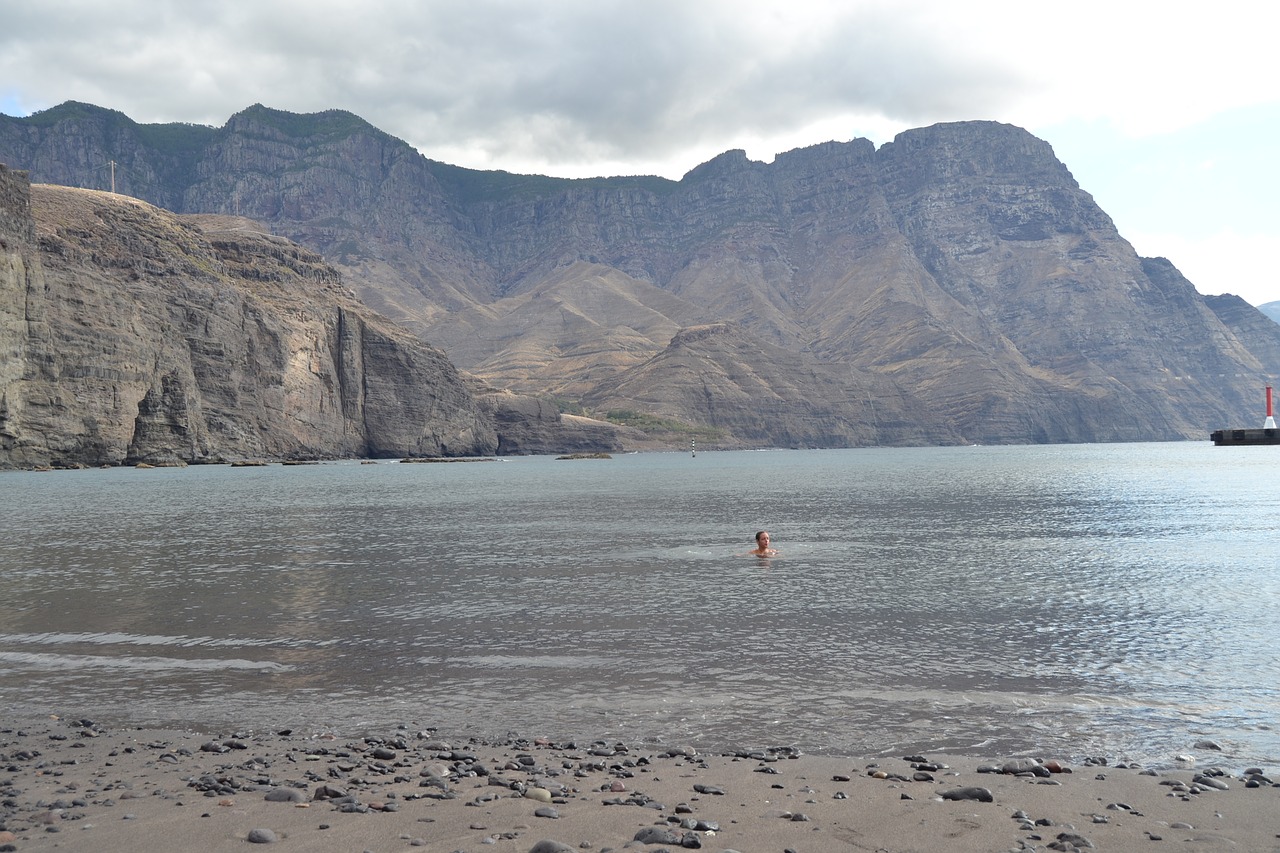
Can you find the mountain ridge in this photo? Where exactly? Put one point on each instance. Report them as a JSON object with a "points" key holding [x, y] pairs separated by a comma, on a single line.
{"points": [[959, 264]]}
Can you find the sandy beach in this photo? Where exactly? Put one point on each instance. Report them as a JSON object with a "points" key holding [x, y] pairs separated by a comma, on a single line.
{"points": [[75, 785]]}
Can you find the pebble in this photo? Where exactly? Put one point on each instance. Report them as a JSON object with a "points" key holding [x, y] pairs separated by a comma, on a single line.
{"points": [[548, 846], [1210, 782], [351, 778], [1022, 765], [1074, 840], [284, 795], [656, 835], [974, 793]]}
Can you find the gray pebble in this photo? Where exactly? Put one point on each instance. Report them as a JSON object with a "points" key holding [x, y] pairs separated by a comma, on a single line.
{"points": [[262, 836], [1075, 840], [656, 835], [1021, 765], [1210, 782], [547, 846], [981, 795], [283, 795]]}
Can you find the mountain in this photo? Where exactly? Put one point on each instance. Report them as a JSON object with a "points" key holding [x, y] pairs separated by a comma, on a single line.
{"points": [[131, 334], [957, 279], [1272, 310]]}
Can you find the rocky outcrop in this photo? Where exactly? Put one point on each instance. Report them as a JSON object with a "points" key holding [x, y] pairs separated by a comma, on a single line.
{"points": [[757, 394], [532, 425], [959, 270], [131, 334], [149, 338]]}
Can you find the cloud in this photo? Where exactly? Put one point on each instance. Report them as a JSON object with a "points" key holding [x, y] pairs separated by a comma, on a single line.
{"points": [[566, 84], [601, 87], [557, 84]]}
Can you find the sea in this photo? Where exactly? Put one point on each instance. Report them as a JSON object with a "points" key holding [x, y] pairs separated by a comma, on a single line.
{"points": [[1117, 602]]}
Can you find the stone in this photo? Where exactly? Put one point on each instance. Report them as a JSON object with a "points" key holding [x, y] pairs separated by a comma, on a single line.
{"points": [[656, 835], [1209, 782], [262, 836], [1023, 765], [1074, 839], [547, 846]]}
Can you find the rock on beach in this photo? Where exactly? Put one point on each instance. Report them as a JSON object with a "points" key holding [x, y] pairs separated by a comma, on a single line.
{"points": [[61, 787]]}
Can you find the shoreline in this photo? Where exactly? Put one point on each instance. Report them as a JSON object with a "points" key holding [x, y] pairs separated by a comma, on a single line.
{"points": [[74, 785]]}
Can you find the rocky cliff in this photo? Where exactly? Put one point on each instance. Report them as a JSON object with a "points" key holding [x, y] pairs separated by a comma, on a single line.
{"points": [[958, 276], [131, 334]]}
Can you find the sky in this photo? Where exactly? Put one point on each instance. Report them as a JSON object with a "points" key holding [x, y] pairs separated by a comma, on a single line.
{"points": [[1168, 114]]}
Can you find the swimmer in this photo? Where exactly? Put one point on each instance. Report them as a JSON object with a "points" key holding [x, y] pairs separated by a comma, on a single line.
{"points": [[762, 548]]}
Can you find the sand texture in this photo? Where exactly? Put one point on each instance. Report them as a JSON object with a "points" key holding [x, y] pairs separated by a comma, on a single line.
{"points": [[72, 786]]}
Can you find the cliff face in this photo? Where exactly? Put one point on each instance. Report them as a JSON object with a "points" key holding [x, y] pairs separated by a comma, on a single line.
{"points": [[745, 387], [131, 334], [958, 274]]}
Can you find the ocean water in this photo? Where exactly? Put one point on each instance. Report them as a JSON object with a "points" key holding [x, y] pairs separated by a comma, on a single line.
{"points": [[1113, 601]]}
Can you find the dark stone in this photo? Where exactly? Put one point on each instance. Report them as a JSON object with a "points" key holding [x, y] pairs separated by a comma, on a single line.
{"points": [[1075, 840], [656, 835], [328, 792]]}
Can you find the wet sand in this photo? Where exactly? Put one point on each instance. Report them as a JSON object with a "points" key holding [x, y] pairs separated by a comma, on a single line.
{"points": [[69, 786]]}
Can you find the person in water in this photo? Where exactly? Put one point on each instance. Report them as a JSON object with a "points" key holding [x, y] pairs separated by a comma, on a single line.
{"points": [[762, 548]]}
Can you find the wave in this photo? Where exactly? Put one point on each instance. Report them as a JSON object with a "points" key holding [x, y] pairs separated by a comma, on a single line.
{"points": [[44, 661]]}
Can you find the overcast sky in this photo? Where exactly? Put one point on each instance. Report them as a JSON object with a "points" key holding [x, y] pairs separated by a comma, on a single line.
{"points": [[1167, 113]]}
